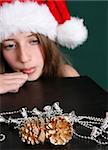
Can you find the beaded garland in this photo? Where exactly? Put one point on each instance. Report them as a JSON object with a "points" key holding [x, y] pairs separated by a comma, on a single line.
{"points": [[53, 125]]}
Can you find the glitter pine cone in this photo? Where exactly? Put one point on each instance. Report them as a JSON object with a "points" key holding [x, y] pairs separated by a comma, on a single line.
{"points": [[32, 130], [59, 130]]}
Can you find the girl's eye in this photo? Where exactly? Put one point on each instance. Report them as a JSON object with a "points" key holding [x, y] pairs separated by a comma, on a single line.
{"points": [[34, 42], [10, 46]]}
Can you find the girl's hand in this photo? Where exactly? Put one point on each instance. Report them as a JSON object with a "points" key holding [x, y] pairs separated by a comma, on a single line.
{"points": [[11, 82]]}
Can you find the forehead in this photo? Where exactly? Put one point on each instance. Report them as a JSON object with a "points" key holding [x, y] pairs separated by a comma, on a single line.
{"points": [[23, 34]]}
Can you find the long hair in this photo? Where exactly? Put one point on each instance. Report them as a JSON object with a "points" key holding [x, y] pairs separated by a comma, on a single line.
{"points": [[53, 58], [2, 65]]}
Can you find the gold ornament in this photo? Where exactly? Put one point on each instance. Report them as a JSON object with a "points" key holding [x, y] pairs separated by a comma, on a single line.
{"points": [[32, 130], [59, 130]]}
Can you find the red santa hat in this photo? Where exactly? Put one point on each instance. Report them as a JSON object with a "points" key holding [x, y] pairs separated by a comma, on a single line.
{"points": [[48, 17]]}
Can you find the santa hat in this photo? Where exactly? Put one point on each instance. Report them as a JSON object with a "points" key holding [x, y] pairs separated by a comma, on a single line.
{"points": [[48, 17]]}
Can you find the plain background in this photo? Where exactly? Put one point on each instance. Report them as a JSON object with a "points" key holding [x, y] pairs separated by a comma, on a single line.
{"points": [[91, 58]]}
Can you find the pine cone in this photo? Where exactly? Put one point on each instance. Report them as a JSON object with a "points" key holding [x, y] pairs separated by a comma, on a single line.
{"points": [[59, 130], [32, 130]]}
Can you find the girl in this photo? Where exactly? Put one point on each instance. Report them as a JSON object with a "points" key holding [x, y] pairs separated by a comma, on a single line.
{"points": [[28, 44]]}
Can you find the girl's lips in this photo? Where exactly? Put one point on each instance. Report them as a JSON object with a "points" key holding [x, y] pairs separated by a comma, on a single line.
{"points": [[28, 70]]}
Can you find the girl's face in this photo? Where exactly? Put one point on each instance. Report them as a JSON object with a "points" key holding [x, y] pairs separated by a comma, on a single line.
{"points": [[22, 52]]}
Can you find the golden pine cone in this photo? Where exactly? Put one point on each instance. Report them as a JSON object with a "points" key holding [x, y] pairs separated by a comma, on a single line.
{"points": [[59, 130], [32, 130]]}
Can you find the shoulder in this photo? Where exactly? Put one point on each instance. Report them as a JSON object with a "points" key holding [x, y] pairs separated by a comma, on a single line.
{"points": [[69, 71]]}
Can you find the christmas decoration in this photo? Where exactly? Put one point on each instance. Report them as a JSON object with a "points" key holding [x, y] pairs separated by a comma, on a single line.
{"points": [[59, 130], [53, 125], [48, 17], [32, 130]]}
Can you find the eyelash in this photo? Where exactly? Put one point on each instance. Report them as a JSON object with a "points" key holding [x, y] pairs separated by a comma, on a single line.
{"points": [[13, 46], [10, 46], [34, 42]]}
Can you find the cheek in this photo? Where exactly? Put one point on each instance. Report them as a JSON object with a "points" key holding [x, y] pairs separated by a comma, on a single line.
{"points": [[9, 57], [38, 57]]}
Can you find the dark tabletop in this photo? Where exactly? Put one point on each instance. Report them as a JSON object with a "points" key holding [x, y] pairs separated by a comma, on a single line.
{"points": [[81, 94]]}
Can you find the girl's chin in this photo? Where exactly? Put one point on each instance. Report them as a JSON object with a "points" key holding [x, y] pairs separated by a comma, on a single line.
{"points": [[33, 77]]}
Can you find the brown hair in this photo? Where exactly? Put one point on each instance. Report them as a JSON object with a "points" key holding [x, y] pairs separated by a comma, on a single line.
{"points": [[2, 67], [53, 58]]}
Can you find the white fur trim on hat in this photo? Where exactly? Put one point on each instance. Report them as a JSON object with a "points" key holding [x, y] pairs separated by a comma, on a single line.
{"points": [[72, 33], [30, 16], [25, 17]]}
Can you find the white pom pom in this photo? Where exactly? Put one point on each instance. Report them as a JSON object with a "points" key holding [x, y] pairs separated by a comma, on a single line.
{"points": [[72, 33]]}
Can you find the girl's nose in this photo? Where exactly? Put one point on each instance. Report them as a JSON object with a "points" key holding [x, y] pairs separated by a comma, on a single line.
{"points": [[24, 55]]}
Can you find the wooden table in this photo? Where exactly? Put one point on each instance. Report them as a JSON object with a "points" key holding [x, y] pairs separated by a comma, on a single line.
{"points": [[81, 94]]}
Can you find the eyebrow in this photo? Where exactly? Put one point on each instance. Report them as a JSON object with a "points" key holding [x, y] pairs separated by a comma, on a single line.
{"points": [[25, 37], [8, 40], [31, 35]]}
